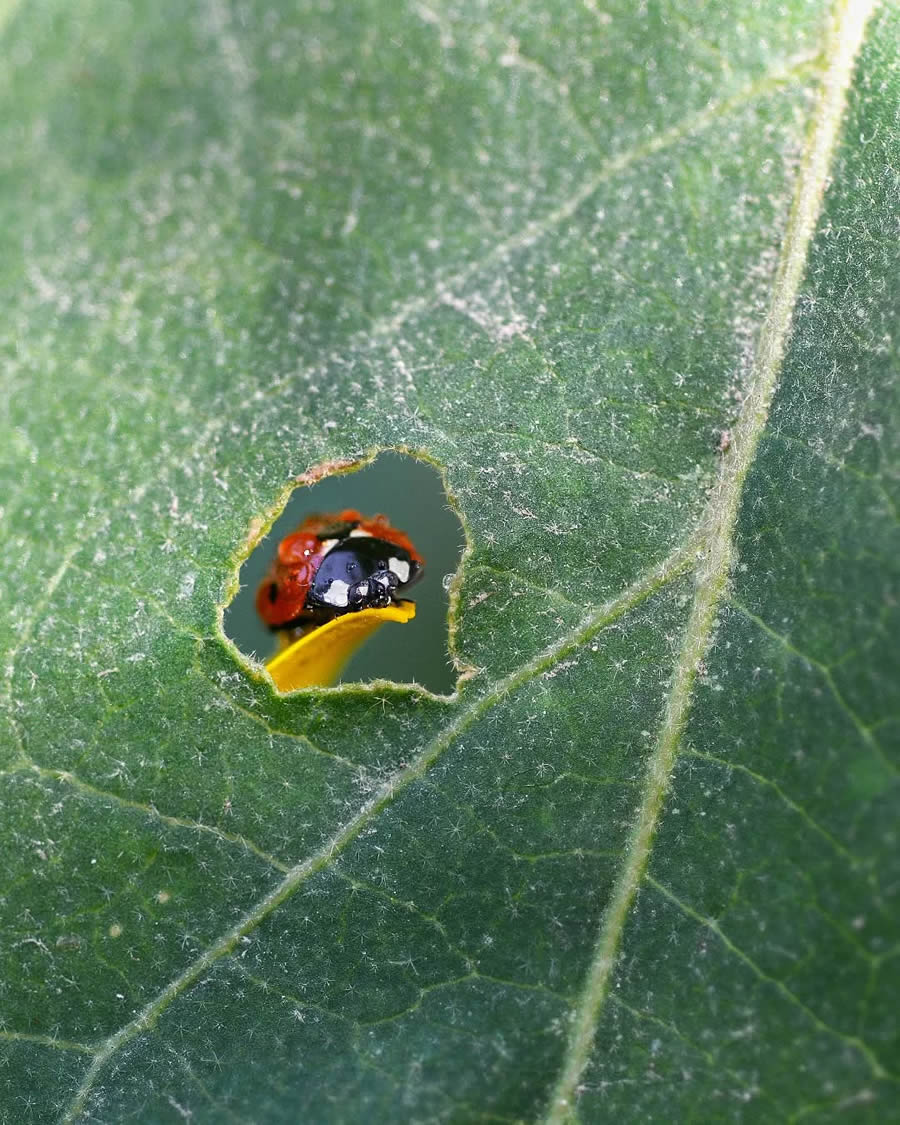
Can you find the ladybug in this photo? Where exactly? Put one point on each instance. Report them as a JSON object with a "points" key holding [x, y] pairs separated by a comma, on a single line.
{"points": [[335, 564]]}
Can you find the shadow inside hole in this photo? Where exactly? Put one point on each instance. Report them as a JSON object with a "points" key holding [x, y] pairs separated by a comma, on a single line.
{"points": [[410, 493]]}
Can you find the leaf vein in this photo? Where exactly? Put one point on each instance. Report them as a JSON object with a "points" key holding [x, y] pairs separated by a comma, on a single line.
{"points": [[862, 728], [40, 604], [275, 732], [717, 535], [45, 1041], [710, 923], [388, 325], [672, 567], [761, 779], [89, 790]]}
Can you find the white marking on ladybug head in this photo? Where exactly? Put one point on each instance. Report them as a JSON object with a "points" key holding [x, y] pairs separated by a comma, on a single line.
{"points": [[363, 589], [358, 533], [399, 567], [336, 594], [327, 544]]}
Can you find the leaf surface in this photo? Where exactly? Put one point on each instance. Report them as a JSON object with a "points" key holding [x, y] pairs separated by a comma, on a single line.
{"points": [[629, 275]]}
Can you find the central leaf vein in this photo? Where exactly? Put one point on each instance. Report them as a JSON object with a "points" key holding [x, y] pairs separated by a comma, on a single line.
{"points": [[717, 536]]}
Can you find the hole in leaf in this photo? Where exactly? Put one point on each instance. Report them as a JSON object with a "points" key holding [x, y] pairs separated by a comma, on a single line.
{"points": [[411, 494]]}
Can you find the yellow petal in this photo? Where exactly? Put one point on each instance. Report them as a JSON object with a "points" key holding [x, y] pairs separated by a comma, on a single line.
{"points": [[317, 659]]}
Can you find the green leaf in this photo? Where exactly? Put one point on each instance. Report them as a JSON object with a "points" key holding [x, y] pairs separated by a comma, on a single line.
{"points": [[643, 865]]}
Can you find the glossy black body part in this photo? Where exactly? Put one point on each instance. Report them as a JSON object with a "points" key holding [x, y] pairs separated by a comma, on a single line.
{"points": [[360, 573]]}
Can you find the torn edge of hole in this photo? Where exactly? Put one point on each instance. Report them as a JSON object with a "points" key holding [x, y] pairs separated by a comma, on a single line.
{"points": [[260, 527]]}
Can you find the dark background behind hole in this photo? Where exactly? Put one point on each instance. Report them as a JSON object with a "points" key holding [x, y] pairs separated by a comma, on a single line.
{"points": [[411, 494]]}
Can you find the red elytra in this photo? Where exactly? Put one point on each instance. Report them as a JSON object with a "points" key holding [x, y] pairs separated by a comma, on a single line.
{"points": [[288, 596]]}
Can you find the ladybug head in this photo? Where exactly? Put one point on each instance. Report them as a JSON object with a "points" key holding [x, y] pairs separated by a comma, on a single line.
{"points": [[361, 572]]}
